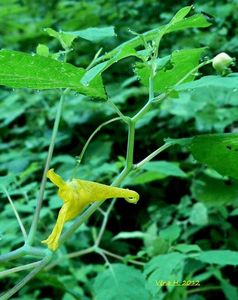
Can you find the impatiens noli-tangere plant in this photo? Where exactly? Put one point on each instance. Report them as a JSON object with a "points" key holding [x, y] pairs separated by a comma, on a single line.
{"points": [[163, 77]]}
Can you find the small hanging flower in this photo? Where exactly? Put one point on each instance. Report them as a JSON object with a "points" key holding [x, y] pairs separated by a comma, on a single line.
{"points": [[77, 194]]}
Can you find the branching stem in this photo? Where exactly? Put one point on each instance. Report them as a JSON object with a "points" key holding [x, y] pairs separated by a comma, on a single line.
{"points": [[18, 269], [26, 279], [80, 158]]}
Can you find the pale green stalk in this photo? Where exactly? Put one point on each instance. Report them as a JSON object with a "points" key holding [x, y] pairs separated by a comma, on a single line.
{"points": [[135, 262], [47, 165], [70, 255], [16, 214], [152, 155], [18, 269], [117, 110]]}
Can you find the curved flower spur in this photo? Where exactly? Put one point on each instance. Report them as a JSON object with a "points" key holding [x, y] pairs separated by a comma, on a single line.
{"points": [[77, 194]]}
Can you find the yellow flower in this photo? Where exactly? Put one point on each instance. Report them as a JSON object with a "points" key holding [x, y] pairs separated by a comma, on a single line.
{"points": [[77, 194]]}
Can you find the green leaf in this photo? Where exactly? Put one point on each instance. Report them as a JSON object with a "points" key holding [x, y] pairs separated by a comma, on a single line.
{"points": [[99, 68], [181, 14], [11, 108], [182, 62], [199, 215], [65, 39], [6, 180], [165, 168], [178, 23], [219, 257], [130, 235], [214, 192], [21, 70], [228, 82], [229, 290], [155, 170], [120, 282], [93, 34], [171, 233], [186, 248], [167, 267], [129, 48], [218, 151]]}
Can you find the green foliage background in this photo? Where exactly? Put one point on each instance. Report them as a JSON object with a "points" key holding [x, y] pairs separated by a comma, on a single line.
{"points": [[185, 207]]}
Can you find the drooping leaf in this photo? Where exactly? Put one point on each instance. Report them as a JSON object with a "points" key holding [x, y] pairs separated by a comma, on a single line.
{"points": [[120, 282], [228, 82], [214, 192], [21, 70], [186, 248], [219, 257], [218, 151], [92, 34]]}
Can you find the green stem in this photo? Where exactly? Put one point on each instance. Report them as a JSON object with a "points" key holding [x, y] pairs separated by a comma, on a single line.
{"points": [[16, 214], [193, 70], [88, 142], [18, 269], [147, 107], [117, 110], [36, 251], [151, 85], [70, 255], [152, 155], [130, 145], [122, 258], [22, 251], [26, 279], [154, 100], [47, 164], [13, 254], [94, 59], [129, 165], [104, 223]]}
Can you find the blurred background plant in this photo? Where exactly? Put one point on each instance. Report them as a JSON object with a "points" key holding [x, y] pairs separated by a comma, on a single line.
{"points": [[184, 207]]}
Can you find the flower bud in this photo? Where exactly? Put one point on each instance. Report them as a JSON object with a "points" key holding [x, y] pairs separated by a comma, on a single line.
{"points": [[221, 62]]}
